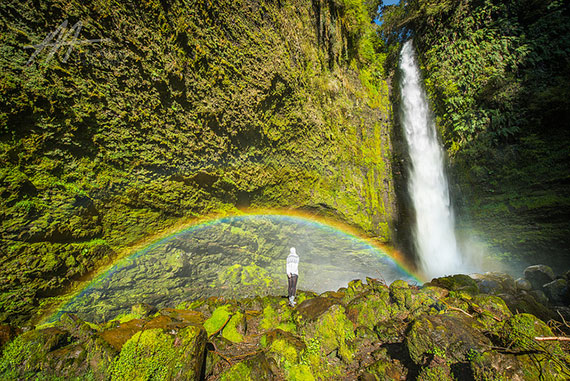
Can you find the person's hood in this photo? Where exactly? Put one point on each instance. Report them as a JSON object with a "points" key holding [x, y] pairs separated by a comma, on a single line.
{"points": [[293, 252]]}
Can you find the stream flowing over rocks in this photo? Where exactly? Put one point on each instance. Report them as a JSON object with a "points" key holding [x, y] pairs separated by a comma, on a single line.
{"points": [[478, 327]]}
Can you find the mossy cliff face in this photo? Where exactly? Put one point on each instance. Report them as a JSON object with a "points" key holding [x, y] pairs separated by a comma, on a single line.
{"points": [[186, 108], [367, 331]]}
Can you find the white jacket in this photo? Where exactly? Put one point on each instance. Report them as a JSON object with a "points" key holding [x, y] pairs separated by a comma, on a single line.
{"points": [[293, 263]]}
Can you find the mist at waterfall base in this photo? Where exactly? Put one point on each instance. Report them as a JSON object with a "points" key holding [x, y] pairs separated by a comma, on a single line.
{"points": [[434, 228], [234, 257]]}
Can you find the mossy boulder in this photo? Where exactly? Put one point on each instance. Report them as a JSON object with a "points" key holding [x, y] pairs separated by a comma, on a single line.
{"points": [[494, 283], [333, 331], [401, 294], [283, 347], [450, 335], [520, 330], [489, 310], [537, 359], [219, 319], [311, 309], [369, 308], [280, 316], [26, 355], [157, 354], [557, 291], [384, 368], [525, 302], [459, 282], [252, 369], [539, 275], [235, 328], [435, 373]]}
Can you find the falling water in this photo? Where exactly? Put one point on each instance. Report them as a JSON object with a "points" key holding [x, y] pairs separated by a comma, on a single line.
{"points": [[434, 229]]}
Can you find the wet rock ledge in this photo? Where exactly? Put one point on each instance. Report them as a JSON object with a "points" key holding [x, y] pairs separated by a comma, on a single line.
{"points": [[479, 327]]}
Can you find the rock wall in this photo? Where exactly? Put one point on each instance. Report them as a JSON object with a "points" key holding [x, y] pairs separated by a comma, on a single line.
{"points": [[185, 108]]}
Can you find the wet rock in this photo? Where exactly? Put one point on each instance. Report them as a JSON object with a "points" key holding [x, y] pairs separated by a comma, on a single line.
{"points": [[557, 291], [186, 316], [523, 284], [459, 282], [68, 361], [539, 275], [117, 337], [165, 323], [311, 309], [447, 335]]}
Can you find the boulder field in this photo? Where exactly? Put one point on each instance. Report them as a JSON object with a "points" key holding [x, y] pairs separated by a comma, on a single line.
{"points": [[479, 327]]}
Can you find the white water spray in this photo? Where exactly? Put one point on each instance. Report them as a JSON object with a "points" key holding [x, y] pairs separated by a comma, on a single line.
{"points": [[434, 232]]}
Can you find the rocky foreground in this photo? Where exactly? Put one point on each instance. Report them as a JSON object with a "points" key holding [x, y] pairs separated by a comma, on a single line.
{"points": [[485, 327]]}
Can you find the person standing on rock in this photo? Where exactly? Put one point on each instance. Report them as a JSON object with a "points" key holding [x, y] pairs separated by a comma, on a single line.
{"points": [[293, 275]]}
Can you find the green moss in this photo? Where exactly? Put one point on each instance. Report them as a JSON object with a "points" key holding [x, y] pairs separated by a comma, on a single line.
{"points": [[459, 282], [148, 354], [219, 317], [239, 371], [520, 330], [369, 309], [25, 349], [333, 331], [300, 372], [437, 373], [230, 331], [154, 354], [285, 351], [401, 295], [270, 318]]}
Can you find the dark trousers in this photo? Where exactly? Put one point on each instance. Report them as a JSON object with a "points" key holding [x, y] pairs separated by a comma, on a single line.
{"points": [[292, 285]]}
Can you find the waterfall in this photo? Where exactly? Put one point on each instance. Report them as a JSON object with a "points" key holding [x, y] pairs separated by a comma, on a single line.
{"points": [[434, 232]]}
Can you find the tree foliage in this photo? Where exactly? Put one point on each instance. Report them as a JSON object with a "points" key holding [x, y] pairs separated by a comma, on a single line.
{"points": [[494, 69]]}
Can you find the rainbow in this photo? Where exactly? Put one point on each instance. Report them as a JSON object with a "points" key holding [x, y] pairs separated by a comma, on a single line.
{"points": [[304, 219]]}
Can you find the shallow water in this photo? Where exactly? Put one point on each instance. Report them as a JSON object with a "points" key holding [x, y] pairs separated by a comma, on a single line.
{"points": [[234, 257]]}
